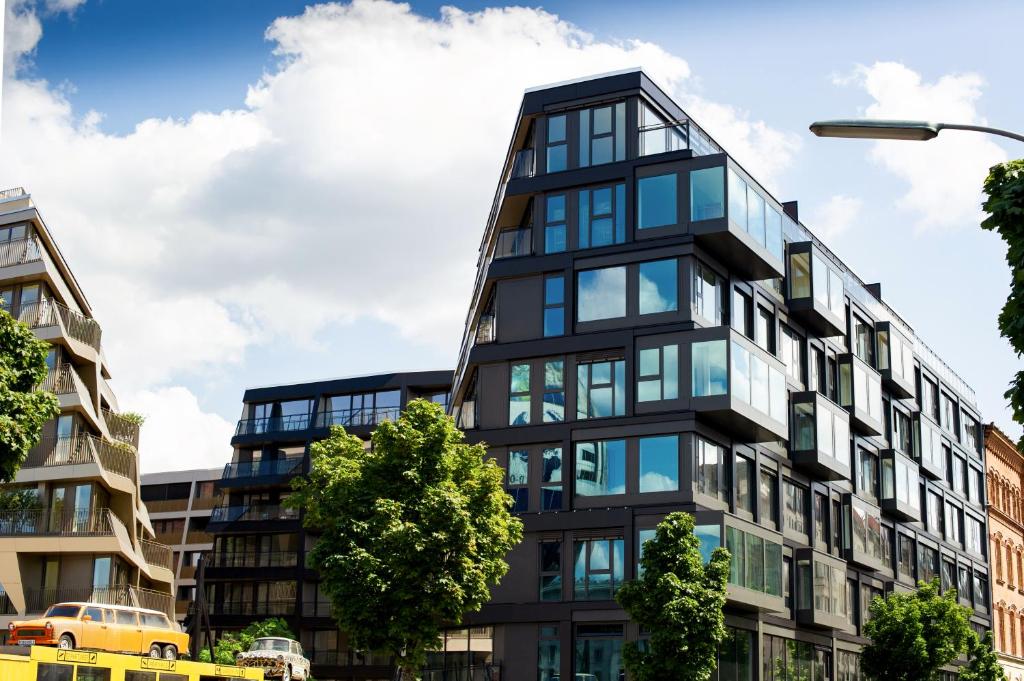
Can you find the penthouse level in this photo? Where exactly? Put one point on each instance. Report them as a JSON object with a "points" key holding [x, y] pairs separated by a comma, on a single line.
{"points": [[650, 330]]}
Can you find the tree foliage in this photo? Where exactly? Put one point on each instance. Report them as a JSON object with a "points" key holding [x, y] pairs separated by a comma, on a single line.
{"points": [[982, 662], [913, 635], [20, 499], [1005, 207], [679, 600], [413, 532], [231, 643], [23, 408]]}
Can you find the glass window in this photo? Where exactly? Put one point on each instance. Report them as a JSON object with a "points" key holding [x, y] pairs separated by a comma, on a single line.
{"points": [[602, 216], [795, 507], [519, 396], [755, 216], [954, 526], [764, 331], [644, 536], [707, 194], [740, 314], [737, 200], [519, 479], [707, 293], [554, 305], [710, 376], [557, 158], [656, 201], [789, 353], [902, 436], [659, 463], [601, 389], [601, 468], [602, 134], [929, 404], [658, 287], [597, 569], [768, 498], [554, 391], [712, 479], [554, 224], [756, 562], [549, 657], [821, 533], [799, 275], [972, 530], [601, 294], [864, 343], [744, 485], [934, 512], [659, 374], [551, 480], [905, 557], [551, 571], [946, 412], [867, 475], [54, 672]]}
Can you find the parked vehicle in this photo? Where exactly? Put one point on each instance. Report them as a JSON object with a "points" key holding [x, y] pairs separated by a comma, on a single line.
{"points": [[280, 658], [94, 626]]}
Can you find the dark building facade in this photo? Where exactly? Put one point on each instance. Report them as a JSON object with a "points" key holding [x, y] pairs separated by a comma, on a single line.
{"points": [[257, 567], [651, 331]]}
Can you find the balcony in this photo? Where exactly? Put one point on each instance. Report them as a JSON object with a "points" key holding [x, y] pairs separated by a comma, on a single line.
{"points": [[122, 428], [20, 251], [523, 164], [251, 559], [821, 590], [896, 360], [248, 608], [866, 541], [254, 473], [157, 554], [38, 600], [901, 486], [513, 243], [82, 449], [661, 138], [49, 313], [860, 392], [816, 294], [356, 418], [739, 386], [6, 606], [226, 516], [755, 573], [820, 443], [731, 219], [272, 424], [43, 523]]}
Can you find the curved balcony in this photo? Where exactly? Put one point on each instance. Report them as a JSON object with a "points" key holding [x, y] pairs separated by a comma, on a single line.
{"points": [[20, 251], [82, 449], [38, 600], [122, 428], [157, 554], [49, 313], [44, 523]]}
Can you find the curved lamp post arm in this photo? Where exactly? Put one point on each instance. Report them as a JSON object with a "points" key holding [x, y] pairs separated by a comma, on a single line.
{"points": [[921, 131], [979, 128]]}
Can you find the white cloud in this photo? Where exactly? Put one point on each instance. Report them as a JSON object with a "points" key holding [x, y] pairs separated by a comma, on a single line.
{"points": [[352, 185], [178, 434], [835, 216], [944, 175]]}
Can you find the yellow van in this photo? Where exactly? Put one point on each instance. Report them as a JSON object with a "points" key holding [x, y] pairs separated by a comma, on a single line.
{"points": [[41, 663], [115, 628]]}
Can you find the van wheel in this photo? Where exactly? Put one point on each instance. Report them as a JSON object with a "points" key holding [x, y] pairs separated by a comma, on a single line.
{"points": [[170, 653], [156, 651], [66, 642]]}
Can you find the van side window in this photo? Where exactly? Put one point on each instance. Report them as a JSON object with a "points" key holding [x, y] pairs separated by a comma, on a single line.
{"points": [[127, 617], [95, 613], [55, 672], [151, 620], [109, 616]]}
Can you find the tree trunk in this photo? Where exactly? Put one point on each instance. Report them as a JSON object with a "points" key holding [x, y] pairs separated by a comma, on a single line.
{"points": [[405, 674]]}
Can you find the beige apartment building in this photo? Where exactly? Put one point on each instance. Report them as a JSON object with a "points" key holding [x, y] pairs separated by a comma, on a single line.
{"points": [[88, 536], [1005, 476]]}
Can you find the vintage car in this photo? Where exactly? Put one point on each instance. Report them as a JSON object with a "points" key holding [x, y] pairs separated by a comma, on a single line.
{"points": [[114, 628], [280, 658]]}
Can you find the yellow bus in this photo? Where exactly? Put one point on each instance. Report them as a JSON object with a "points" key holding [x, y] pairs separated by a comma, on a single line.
{"points": [[41, 663]]}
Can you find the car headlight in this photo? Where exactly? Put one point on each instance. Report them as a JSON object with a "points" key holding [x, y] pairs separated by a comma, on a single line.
{"points": [[49, 626], [10, 627]]}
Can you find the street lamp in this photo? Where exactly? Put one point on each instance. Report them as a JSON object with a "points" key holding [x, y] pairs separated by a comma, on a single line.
{"points": [[920, 131]]}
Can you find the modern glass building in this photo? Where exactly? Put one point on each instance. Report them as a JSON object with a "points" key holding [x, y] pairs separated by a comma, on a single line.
{"points": [[257, 567], [650, 331]]}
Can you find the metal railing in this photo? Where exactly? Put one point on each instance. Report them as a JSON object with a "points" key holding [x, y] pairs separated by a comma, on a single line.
{"points": [[230, 514], [513, 243], [358, 417], [277, 607], [155, 600], [48, 312], [121, 428], [67, 523], [272, 424], [20, 251], [255, 559], [6, 607], [157, 554], [675, 136], [63, 379], [38, 600], [523, 164], [12, 193], [83, 449], [256, 469]]}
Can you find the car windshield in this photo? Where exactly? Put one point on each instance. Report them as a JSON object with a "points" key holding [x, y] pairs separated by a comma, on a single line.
{"points": [[63, 611], [275, 645]]}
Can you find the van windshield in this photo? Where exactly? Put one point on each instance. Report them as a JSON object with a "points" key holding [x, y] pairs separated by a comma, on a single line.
{"points": [[63, 611], [276, 645]]}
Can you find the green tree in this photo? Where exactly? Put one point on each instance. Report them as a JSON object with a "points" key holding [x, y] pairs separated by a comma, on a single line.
{"points": [[1005, 207], [913, 635], [413, 532], [231, 643], [982, 662], [679, 600], [23, 407], [20, 499]]}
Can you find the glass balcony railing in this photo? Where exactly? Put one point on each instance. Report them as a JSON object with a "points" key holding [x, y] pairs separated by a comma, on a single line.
{"points": [[523, 164], [350, 418], [252, 512], [901, 486], [272, 424], [821, 436], [513, 243], [896, 360], [254, 559], [816, 294], [661, 138], [266, 468], [860, 392]]}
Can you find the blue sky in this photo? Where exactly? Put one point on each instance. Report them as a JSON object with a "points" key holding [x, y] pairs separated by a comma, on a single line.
{"points": [[240, 185]]}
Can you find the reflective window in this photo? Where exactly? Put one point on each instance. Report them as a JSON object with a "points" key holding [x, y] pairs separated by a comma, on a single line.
{"points": [[598, 569], [929, 401], [707, 194], [659, 286], [601, 294], [756, 562], [757, 383], [744, 485], [868, 536], [549, 655], [972, 531], [551, 571], [658, 377], [764, 329], [931, 448], [867, 475], [656, 201], [554, 224], [659, 463], [644, 536], [864, 340], [599, 652], [710, 376], [954, 524], [712, 476], [601, 468], [707, 294], [736, 656], [554, 391], [554, 305], [519, 479], [601, 389], [557, 151], [794, 510], [927, 563], [768, 498], [946, 412], [603, 134], [551, 479], [789, 352], [749, 211], [740, 313], [710, 538], [934, 513], [602, 216], [519, 396]]}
